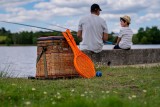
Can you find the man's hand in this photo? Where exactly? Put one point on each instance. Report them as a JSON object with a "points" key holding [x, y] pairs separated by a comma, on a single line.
{"points": [[105, 37], [79, 34]]}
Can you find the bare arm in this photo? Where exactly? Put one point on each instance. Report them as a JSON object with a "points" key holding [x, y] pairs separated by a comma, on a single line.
{"points": [[105, 37], [118, 40], [79, 34]]}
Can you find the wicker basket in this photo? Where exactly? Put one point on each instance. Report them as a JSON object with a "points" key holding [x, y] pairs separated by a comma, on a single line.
{"points": [[54, 58]]}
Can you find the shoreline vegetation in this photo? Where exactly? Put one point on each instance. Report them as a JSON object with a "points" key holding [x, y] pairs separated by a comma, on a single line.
{"points": [[122, 86], [143, 36]]}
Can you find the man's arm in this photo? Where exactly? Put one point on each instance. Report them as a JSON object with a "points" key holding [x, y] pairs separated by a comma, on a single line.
{"points": [[79, 34], [105, 37]]}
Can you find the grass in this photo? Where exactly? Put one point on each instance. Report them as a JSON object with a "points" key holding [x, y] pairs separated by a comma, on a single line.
{"points": [[118, 87]]}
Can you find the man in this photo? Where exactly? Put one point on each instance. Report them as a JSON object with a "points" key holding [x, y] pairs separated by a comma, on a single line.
{"points": [[92, 30]]}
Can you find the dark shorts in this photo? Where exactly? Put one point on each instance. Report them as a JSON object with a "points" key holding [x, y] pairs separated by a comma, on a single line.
{"points": [[116, 47]]}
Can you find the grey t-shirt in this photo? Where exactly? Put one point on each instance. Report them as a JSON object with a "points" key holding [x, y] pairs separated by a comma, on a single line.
{"points": [[92, 27]]}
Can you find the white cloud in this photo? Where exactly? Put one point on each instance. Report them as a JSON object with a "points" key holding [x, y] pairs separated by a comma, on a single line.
{"points": [[154, 6], [72, 24], [111, 17], [140, 11], [14, 10], [14, 3], [127, 3], [33, 29], [127, 6], [76, 3], [148, 17], [53, 8]]}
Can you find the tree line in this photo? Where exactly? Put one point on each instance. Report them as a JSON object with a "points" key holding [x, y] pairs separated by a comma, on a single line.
{"points": [[25, 37], [144, 36], [147, 36]]}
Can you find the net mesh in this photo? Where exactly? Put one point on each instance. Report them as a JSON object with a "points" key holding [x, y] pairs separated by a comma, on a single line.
{"points": [[84, 66]]}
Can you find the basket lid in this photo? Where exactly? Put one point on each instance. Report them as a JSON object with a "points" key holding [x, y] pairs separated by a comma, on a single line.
{"points": [[51, 38]]}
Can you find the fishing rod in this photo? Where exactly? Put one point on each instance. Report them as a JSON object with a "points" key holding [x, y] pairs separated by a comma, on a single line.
{"points": [[44, 28], [36, 26], [29, 25]]}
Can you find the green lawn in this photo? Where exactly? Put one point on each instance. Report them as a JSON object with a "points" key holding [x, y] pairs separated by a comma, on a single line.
{"points": [[118, 87]]}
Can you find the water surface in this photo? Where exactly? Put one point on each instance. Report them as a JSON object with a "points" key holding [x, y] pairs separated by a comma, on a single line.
{"points": [[21, 60]]}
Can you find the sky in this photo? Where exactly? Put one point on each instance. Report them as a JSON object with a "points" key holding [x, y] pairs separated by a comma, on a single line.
{"points": [[67, 13]]}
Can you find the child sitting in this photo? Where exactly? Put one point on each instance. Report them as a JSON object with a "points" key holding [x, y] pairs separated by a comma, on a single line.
{"points": [[124, 40]]}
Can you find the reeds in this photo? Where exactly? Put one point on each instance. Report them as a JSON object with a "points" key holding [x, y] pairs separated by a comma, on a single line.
{"points": [[6, 72]]}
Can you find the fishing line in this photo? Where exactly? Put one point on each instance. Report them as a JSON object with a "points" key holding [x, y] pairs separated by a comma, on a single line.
{"points": [[60, 27]]}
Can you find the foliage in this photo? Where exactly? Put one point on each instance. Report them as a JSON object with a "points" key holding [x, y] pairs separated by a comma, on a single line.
{"points": [[118, 87], [147, 36], [2, 39], [144, 36], [112, 38], [26, 37]]}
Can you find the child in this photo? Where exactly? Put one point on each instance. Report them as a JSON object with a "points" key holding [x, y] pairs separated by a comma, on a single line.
{"points": [[124, 40]]}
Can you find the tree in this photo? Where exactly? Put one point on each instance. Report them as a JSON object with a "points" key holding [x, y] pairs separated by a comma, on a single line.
{"points": [[147, 36], [135, 39], [155, 33]]}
